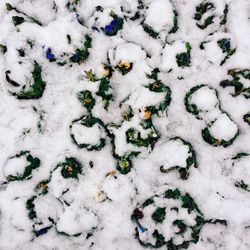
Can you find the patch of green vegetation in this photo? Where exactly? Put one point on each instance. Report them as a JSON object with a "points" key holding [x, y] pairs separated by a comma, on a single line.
{"points": [[86, 99], [159, 214], [242, 185], [81, 54], [3, 48], [225, 45], [216, 142], [36, 90], [150, 30], [184, 59], [17, 20], [176, 25], [124, 163], [190, 161], [89, 121], [32, 163], [240, 155], [104, 91], [225, 13], [201, 10], [71, 168], [133, 136], [236, 82], [157, 240]]}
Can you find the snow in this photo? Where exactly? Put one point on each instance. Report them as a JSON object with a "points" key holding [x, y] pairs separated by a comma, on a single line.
{"points": [[169, 53], [170, 154], [86, 220], [205, 98], [159, 15], [86, 135], [99, 204], [15, 166], [223, 128]]}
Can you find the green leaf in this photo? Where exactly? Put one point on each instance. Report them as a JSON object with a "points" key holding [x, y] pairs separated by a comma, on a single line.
{"points": [[159, 214], [38, 87]]}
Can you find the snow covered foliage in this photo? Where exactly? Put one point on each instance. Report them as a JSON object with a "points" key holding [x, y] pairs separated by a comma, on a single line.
{"points": [[125, 124]]}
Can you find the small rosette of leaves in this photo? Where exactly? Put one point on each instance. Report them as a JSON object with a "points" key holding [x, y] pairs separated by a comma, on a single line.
{"points": [[200, 11], [159, 87], [239, 76], [86, 125], [86, 99], [79, 56], [201, 91], [35, 91], [32, 163], [105, 92], [134, 137], [167, 28], [226, 47], [190, 161], [124, 163], [42, 224], [71, 168], [206, 15], [151, 218], [208, 136]]}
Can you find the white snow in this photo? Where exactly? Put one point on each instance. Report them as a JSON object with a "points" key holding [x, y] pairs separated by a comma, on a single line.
{"points": [[15, 166], [159, 15], [72, 203], [204, 98], [223, 128], [169, 53], [170, 154], [87, 135]]}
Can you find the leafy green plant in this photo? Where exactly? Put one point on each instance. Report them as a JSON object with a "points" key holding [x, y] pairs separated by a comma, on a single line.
{"points": [[184, 59], [36, 89], [191, 160], [86, 99], [32, 163], [225, 45], [71, 168], [89, 121], [201, 10], [206, 135], [155, 239], [236, 82]]}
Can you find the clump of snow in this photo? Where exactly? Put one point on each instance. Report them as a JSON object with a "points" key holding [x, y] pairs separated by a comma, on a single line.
{"points": [[205, 98], [99, 204], [87, 135], [170, 154], [169, 53], [223, 128], [15, 166], [159, 15]]}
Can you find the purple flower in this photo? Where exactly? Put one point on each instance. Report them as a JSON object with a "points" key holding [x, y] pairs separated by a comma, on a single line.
{"points": [[49, 55], [113, 26]]}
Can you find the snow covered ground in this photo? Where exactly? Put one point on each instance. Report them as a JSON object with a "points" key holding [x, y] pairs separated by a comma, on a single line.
{"points": [[125, 124]]}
